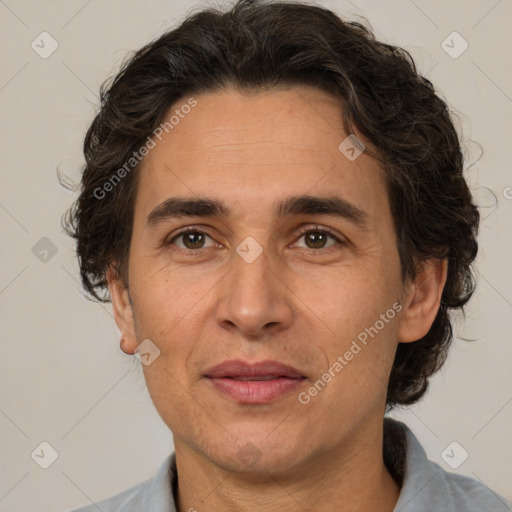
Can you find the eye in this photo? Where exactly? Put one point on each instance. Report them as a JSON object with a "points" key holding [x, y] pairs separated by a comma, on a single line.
{"points": [[317, 238], [192, 239]]}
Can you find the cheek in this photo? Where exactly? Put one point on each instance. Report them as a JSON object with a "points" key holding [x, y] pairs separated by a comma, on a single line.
{"points": [[172, 319], [167, 300], [360, 356], [360, 309], [348, 299], [169, 313]]}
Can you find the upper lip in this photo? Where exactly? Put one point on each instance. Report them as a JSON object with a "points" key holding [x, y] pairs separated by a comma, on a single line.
{"points": [[239, 368]]}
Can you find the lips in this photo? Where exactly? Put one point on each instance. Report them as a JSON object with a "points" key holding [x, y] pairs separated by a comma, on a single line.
{"points": [[256, 383], [255, 371]]}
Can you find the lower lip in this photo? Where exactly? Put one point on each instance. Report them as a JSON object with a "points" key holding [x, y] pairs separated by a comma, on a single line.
{"points": [[255, 391]]}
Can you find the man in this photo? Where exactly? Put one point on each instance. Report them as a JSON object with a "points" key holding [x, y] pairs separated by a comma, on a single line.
{"points": [[275, 202]]}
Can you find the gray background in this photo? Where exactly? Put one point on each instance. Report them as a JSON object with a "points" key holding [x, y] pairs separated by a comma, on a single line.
{"points": [[64, 379]]}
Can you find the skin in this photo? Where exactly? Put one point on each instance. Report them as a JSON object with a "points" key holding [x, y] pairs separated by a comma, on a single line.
{"points": [[295, 304]]}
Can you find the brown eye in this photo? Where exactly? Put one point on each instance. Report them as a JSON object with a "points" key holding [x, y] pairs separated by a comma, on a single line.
{"points": [[317, 239], [192, 240]]}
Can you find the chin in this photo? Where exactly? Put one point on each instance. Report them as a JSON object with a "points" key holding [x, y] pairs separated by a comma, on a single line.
{"points": [[259, 457]]}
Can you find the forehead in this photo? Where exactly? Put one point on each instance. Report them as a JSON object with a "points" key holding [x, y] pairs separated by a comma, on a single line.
{"points": [[238, 125], [252, 148]]}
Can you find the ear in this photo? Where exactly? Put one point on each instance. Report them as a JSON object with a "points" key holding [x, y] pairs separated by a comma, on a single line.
{"points": [[123, 312], [423, 297]]}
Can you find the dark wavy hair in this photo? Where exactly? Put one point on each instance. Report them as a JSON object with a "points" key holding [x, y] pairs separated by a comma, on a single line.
{"points": [[259, 45]]}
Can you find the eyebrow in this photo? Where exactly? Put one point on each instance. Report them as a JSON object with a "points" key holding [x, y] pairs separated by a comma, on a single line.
{"points": [[177, 207]]}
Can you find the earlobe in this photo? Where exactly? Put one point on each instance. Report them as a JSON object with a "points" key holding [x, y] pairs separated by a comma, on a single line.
{"points": [[423, 300], [123, 312]]}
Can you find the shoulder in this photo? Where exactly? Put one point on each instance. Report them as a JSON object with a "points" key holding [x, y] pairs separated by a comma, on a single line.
{"points": [[427, 487], [128, 500], [154, 495], [470, 495]]}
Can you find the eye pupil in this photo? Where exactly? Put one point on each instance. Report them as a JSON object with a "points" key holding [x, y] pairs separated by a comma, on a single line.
{"points": [[193, 240], [317, 239]]}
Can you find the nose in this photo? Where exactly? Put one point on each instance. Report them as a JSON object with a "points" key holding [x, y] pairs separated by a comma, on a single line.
{"points": [[253, 299]]}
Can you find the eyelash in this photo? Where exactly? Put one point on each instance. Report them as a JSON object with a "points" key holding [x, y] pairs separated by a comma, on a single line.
{"points": [[303, 231], [316, 229]]}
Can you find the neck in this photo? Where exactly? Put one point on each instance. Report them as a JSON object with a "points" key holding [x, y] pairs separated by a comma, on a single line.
{"points": [[352, 477]]}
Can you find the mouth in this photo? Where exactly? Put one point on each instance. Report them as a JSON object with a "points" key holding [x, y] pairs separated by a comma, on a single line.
{"points": [[263, 377], [256, 383]]}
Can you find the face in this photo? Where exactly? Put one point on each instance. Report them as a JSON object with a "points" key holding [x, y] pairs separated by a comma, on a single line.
{"points": [[264, 276]]}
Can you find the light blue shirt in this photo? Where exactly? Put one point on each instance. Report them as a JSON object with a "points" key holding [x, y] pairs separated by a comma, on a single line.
{"points": [[426, 487]]}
